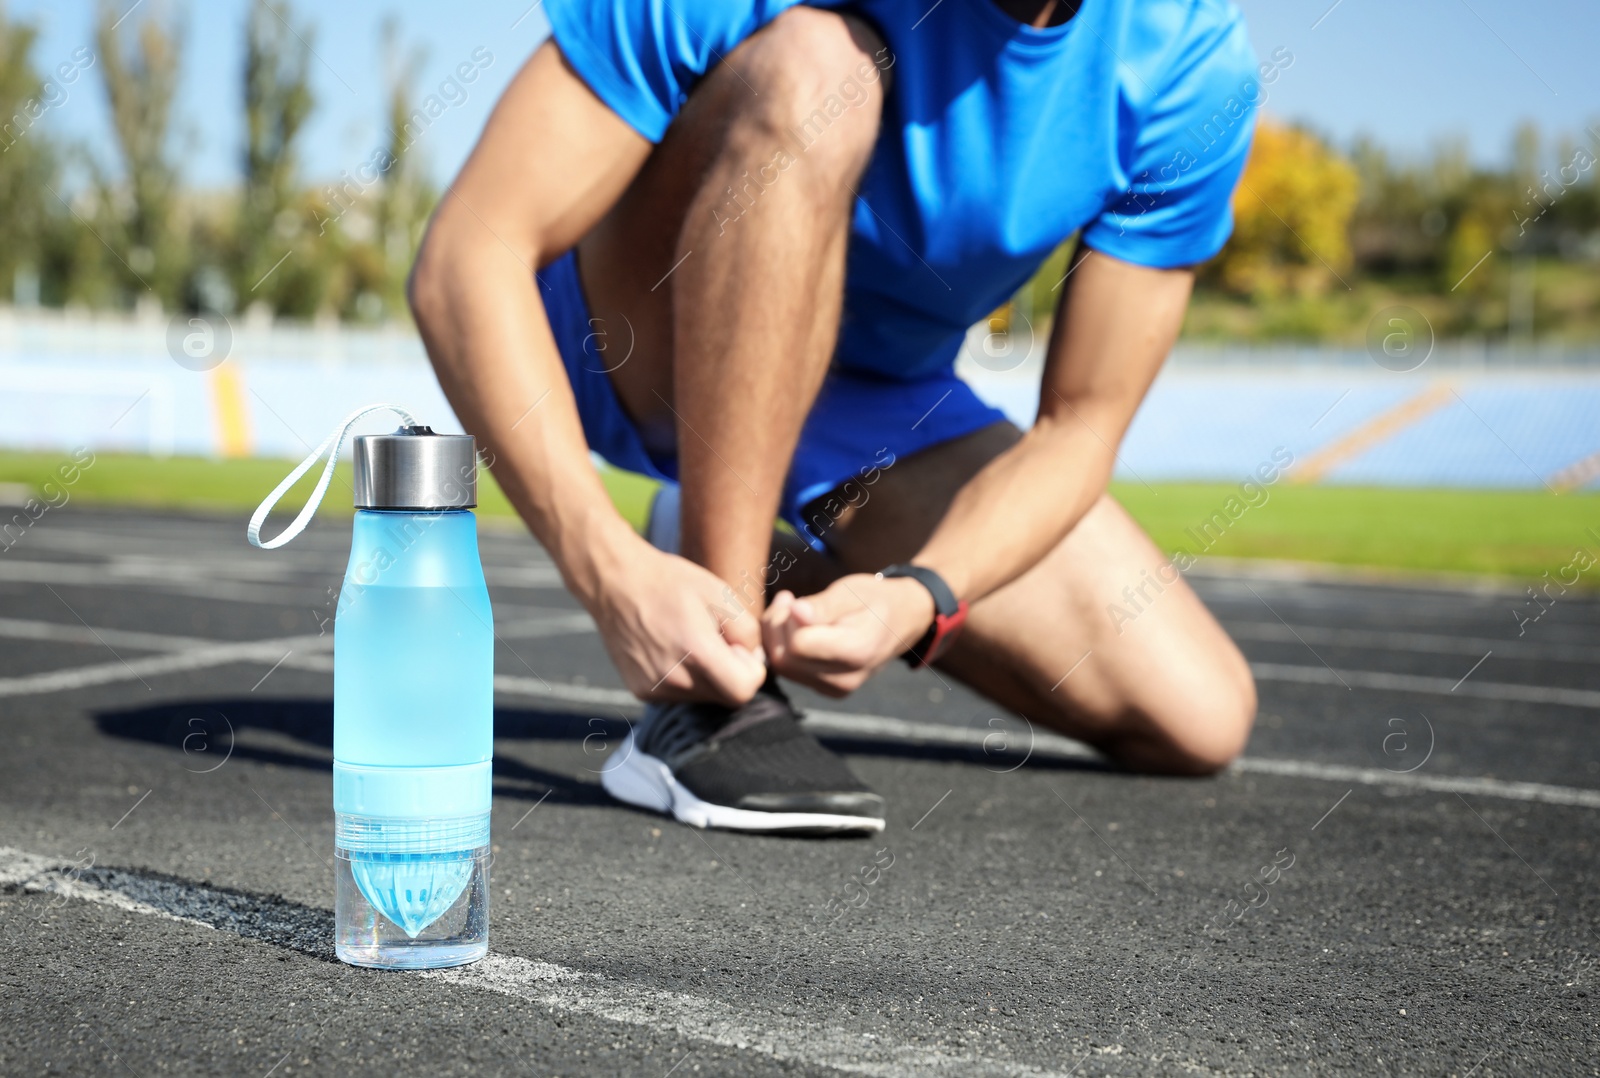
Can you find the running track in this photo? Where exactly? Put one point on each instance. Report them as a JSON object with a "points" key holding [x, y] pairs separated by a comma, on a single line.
{"points": [[1398, 877]]}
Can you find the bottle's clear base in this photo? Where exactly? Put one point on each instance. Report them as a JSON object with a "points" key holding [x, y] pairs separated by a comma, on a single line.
{"points": [[411, 910], [412, 954]]}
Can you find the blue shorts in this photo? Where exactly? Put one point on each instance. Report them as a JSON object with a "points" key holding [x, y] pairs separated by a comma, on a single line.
{"points": [[859, 426]]}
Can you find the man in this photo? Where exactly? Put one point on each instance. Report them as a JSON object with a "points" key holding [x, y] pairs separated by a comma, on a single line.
{"points": [[780, 220]]}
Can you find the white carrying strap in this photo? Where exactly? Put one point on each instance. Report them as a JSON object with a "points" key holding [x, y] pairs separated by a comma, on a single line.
{"points": [[335, 442]]}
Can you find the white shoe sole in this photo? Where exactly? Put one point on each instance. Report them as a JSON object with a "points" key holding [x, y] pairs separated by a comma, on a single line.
{"points": [[639, 779]]}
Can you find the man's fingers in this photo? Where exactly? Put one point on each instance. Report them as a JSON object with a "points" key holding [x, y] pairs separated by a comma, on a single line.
{"points": [[780, 609], [711, 669], [754, 658], [738, 626], [831, 679], [678, 683], [775, 625], [829, 605], [844, 646], [731, 671], [803, 669], [817, 655]]}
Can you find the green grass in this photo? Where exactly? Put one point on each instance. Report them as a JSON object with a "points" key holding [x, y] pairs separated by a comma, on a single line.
{"points": [[1519, 534], [238, 486], [1492, 533]]}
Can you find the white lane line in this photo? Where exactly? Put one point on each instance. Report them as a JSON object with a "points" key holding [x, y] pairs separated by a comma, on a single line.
{"points": [[885, 728], [531, 622], [1475, 666], [142, 568], [222, 654], [1439, 686], [199, 659], [559, 690], [1373, 776], [101, 576], [1421, 643], [321, 663], [844, 724], [274, 669], [196, 654], [20, 629], [122, 546], [793, 1040], [269, 920], [524, 576], [565, 623], [527, 626], [874, 727], [98, 637], [220, 580], [1300, 638]]}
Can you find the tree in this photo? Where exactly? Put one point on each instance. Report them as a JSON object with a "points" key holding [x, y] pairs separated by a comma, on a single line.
{"points": [[1471, 244], [1291, 217], [405, 196], [1406, 208], [139, 64], [274, 261], [28, 163]]}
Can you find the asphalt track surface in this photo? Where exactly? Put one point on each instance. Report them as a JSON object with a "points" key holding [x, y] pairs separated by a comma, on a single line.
{"points": [[1398, 877]]}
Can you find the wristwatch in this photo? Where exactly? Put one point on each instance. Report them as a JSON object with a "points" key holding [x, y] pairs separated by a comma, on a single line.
{"points": [[949, 614]]}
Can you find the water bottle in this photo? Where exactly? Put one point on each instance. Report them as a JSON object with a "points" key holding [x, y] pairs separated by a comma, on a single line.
{"points": [[413, 704]]}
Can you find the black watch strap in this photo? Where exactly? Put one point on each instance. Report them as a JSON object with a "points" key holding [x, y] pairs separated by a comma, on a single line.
{"points": [[944, 600], [949, 614]]}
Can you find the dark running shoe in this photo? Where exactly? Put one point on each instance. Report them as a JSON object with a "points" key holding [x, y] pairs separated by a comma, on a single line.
{"points": [[752, 768]]}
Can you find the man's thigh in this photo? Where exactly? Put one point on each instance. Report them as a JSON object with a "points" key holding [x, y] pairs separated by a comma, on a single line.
{"points": [[745, 108], [1102, 640]]}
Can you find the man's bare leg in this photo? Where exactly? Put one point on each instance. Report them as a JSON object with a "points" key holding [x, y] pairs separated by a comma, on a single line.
{"points": [[1167, 692], [726, 257], [741, 232]]}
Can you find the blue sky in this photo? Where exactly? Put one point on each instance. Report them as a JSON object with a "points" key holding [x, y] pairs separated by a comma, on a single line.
{"points": [[1408, 73]]}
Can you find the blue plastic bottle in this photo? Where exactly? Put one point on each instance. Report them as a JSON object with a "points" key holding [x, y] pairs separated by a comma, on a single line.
{"points": [[413, 704], [413, 707]]}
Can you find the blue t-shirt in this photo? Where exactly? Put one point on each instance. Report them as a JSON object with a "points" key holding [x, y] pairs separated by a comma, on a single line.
{"points": [[1130, 122]]}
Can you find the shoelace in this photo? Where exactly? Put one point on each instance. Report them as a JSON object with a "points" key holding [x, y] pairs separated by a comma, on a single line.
{"points": [[768, 704], [677, 728]]}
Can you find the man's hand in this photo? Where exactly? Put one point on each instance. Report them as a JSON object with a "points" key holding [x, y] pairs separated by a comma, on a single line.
{"points": [[834, 640], [1116, 325], [677, 632]]}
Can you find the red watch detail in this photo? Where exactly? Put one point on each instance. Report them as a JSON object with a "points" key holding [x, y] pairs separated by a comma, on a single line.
{"points": [[949, 614], [940, 635]]}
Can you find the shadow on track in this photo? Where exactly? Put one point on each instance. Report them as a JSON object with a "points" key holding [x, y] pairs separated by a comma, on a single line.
{"points": [[299, 733]]}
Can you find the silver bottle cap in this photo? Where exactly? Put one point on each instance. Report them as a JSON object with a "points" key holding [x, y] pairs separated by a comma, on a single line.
{"points": [[414, 468]]}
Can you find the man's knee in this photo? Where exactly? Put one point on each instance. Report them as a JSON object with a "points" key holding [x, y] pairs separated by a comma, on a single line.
{"points": [[1197, 725], [1221, 731], [812, 94], [1215, 722]]}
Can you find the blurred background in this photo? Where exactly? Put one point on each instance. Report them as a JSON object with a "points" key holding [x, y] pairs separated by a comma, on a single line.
{"points": [[207, 212]]}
